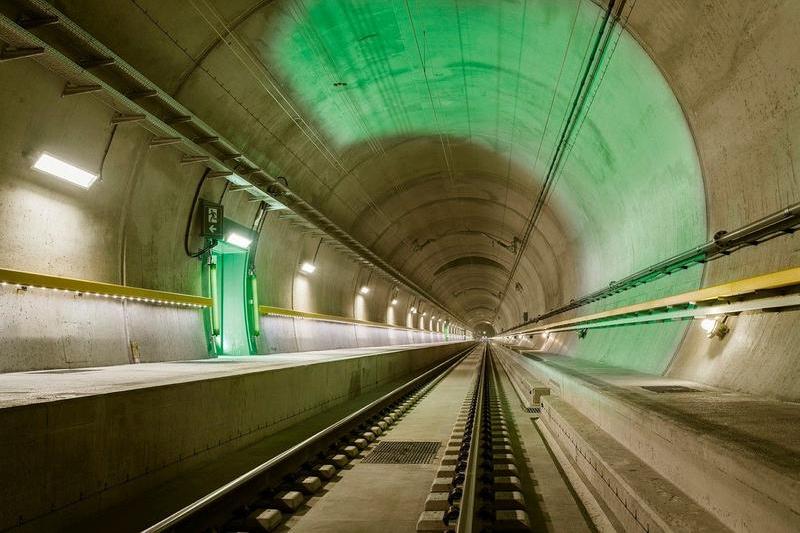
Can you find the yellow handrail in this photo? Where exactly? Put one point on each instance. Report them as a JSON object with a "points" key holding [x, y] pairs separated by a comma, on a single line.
{"points": [[733, 289], [124, 292], [280, 311], [99, 288]]}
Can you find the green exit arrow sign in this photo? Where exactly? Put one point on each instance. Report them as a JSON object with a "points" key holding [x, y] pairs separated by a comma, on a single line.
{"points": [[212, 221]]}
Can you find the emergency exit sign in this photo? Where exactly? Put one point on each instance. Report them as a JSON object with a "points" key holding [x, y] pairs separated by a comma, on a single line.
{"points": [[212, 221]]}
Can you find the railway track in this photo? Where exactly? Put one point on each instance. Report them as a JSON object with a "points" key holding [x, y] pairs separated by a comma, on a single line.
{"points": [[476, 485]]}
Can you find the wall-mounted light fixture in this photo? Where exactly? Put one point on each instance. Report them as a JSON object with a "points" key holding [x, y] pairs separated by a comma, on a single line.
{"points": [[364, 290], [310, 266], [239, 240], [67, 172], [715, 327]]}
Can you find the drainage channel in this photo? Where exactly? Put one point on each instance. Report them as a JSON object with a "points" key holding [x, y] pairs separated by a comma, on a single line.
{"points": [[264, 497]]}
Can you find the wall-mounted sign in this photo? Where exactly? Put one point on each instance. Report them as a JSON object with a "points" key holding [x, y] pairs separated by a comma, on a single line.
{"points": [[212, 220]]}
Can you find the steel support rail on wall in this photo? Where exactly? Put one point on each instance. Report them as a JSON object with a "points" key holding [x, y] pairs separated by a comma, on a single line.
{"points": [[783, 222], [259, 182], [291, 313], [769, 291]]}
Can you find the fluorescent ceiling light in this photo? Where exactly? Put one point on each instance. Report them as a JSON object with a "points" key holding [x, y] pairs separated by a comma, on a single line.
{"points": [[61, 169], [308, 268], [364, 290], [238, 240]]}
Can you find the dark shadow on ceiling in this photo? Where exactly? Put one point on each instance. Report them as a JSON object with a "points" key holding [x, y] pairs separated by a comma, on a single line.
{"points": [[470, 260]]}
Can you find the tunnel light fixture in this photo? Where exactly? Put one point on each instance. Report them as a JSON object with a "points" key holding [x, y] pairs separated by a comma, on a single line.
{"points": [[413, 310], [310, 266], [364, 290], [239, 240], [394, 301], [67, 172], [715, 327]]}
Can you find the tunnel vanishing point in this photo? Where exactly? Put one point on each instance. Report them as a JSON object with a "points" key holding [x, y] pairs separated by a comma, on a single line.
{"points": [[399, 266]]}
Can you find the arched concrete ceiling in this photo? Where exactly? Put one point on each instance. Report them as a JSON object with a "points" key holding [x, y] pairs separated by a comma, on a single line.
{"points": [[476, 92], [425, 129]]}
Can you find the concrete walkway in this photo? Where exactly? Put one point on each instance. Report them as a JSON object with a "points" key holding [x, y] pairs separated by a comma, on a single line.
{"points": [[25, 388], [737, 454], [390, 497]]}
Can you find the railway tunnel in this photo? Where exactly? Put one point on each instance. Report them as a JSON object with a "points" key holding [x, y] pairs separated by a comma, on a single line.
{"points": [[399, 265]]}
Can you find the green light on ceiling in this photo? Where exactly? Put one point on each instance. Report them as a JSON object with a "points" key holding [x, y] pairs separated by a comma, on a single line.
{"points": [[485, 72]]}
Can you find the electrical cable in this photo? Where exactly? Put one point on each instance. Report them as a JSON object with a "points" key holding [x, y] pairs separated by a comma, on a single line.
{"points": [[107, 149], [591, 69], [190, 219]]}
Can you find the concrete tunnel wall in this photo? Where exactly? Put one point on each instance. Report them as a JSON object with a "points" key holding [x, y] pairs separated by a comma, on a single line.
{"points": [[727, 68], [129, 229], [715, 141]]}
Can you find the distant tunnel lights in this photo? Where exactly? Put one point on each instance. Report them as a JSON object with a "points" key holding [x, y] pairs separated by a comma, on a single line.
{"points": [[364, 290], [394, 301], [61, 169], [238, 240], [308, 268]]}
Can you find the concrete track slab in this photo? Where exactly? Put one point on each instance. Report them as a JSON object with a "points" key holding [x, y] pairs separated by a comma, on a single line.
{"points": [[390, 497], [552, 504]]}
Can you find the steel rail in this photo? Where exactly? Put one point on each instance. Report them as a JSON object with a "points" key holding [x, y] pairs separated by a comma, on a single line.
{"points": [[199, 505], [466, 513]]}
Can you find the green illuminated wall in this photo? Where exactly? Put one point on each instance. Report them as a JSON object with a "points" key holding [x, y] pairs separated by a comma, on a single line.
{"points": [[631, 192]]}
